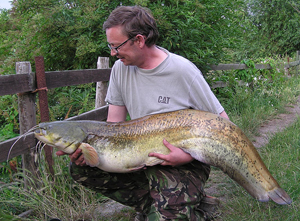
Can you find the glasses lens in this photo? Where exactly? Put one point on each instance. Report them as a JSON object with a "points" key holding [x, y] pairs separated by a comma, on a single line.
{"points": [[112, 48], [115, 49]]}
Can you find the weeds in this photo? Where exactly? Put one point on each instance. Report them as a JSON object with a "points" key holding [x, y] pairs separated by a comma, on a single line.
{"points": [[251, 104], [59, 198]]}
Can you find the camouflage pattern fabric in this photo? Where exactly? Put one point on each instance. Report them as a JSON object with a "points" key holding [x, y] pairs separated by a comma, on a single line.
{"points": [[160, 192]]}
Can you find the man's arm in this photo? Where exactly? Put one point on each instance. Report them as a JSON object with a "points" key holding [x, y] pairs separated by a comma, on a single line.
{"points": [[223, 114], [116, 113]]}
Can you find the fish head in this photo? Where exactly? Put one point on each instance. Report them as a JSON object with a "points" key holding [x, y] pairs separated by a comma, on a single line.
{"points": [[63, 135]]}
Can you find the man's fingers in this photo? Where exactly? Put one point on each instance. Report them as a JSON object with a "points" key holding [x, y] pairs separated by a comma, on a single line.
{"points": [[168, 145], [158, 155], [60, 153], [74, 156]]}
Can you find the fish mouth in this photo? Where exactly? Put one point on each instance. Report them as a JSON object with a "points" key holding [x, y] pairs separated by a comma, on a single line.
{"points": [[57, 142]]}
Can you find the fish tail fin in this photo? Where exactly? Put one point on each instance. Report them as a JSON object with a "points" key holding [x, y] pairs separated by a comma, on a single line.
{"points": [[90, 155], [278, 195]]}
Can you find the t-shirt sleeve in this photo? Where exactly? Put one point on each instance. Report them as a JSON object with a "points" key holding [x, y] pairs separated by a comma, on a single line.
{"points": [[114, 95], [202, 98]]}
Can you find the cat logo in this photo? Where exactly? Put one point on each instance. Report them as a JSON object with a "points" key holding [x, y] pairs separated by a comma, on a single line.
{"points": [[163, 100]]}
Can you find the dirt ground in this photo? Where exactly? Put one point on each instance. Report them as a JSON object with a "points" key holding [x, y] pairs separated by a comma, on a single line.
{"points": [[266, 132], [277, 124]]}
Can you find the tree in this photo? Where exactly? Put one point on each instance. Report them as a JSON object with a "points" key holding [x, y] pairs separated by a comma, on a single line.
{"points": [[69, 33], [6, 46], [276, 24]]}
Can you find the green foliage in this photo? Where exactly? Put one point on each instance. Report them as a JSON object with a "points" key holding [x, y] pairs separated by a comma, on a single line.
{"points": [[9, 114], [250, 77], [257, 77], [250, 105], [271, 28], [7, 51], [71, 101], [197, 30], [70, 35]]}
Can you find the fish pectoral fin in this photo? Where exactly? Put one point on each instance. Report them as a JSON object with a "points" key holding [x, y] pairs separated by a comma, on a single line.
{"points": [[90, 155]]}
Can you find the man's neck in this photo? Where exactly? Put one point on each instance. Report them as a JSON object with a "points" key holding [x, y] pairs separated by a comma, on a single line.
{"points": [[153, 57]]}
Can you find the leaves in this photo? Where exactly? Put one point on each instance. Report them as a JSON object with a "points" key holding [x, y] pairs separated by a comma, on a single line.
{"points": [[70, 35], [274, 27]]}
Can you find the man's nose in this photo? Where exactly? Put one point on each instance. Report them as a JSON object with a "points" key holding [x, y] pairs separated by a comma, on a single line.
{"points": [[113, 52]]}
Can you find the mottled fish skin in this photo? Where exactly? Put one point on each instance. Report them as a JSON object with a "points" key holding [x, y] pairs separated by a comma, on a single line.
{"points": [[124, 147]]}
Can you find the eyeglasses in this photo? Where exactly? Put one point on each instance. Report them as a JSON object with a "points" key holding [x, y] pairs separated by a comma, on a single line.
{"points": [[116, 48]]}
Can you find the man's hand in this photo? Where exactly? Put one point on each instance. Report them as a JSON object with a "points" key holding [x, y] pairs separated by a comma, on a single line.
{"points": [[76, 157], [176, 157]]}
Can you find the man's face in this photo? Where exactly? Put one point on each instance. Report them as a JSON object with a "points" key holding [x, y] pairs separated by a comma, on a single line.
{"points": [[127, 50]]}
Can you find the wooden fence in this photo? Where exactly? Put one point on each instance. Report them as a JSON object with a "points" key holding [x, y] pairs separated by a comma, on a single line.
{"points": [[24, 84]]}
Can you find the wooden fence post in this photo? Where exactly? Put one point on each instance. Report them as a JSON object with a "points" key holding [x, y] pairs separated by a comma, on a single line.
{"points": [[27, 119], [43, 102], [101, 87]]}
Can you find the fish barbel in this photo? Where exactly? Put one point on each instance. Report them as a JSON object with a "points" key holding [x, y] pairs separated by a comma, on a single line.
{"points": [[124, 147]]}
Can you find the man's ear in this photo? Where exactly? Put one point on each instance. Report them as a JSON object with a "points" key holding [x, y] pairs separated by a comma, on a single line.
{"points": [[141, 39]]}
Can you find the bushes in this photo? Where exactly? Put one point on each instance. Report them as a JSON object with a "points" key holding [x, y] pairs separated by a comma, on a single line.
{"points": [[9, 126], [70, 36]]}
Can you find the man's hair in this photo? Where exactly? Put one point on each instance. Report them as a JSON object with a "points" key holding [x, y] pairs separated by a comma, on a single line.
{"points": [[134, 20]]}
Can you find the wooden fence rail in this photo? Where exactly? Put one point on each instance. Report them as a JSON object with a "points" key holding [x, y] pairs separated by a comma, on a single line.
{"points": [[225, 67], [13, 84], [26, 83]]}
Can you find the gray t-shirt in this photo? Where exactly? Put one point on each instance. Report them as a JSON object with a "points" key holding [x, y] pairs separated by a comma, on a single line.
{"points": [[173, 85]]}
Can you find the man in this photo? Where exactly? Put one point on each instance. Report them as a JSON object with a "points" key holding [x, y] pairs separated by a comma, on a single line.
{"points": [[148, 79]]}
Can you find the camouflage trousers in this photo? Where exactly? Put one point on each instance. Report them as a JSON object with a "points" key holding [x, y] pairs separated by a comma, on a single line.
{"points": [[160, 192]]}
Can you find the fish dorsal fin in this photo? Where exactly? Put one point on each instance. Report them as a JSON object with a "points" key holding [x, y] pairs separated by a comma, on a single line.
{"points": [[90, 155]]}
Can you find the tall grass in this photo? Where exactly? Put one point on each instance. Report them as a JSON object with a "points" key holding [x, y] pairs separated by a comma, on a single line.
{"points": [[250, 107], [49, 198]]}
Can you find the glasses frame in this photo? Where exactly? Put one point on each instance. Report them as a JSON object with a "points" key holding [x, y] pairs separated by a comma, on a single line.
{"points": [[116, 48]]}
